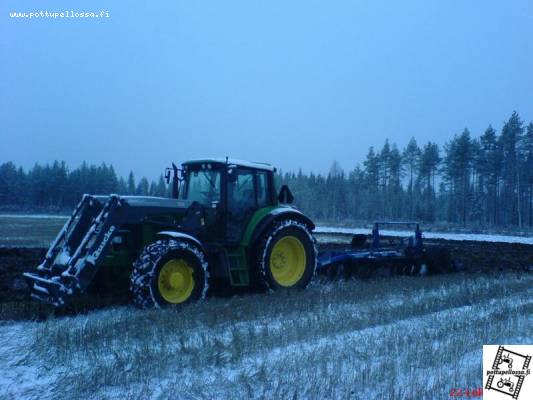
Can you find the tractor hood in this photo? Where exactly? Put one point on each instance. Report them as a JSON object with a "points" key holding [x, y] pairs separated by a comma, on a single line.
{"points": [[136, 209], [148, 202]]}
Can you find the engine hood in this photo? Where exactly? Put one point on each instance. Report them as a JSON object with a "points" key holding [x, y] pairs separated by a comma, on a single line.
{"points": [[148, 202]]}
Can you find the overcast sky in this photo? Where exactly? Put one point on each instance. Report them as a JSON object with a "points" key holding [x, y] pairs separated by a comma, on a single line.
{"points": [[294, 83]]}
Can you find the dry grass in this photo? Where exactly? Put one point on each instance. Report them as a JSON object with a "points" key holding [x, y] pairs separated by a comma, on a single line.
{"points": [[395, 338]]}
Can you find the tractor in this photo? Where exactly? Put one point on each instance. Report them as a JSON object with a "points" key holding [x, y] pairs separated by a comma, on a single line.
{"points": [[223, 225], [224, 222], [506, 359], [506, 382]]}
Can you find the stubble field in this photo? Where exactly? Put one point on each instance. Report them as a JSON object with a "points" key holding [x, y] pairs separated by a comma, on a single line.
{"points": [[393, 338]]}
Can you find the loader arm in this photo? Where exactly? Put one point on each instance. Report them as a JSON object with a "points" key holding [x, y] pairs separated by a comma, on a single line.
{"points": [[76, 254]]}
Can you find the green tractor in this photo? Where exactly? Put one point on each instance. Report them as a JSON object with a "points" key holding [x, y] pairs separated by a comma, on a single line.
{"points": [[224, 224]]}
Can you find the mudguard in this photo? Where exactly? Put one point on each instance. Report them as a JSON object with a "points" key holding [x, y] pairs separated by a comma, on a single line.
{"points": [[277, 214], [180, 235]]}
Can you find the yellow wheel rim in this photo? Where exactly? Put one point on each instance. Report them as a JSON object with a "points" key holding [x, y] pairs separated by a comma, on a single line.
{"points": [[287, 261], [175, 281]]}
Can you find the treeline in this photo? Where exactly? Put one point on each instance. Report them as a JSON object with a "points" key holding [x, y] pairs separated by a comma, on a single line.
{"points": [[485, 180], [55, 187]]}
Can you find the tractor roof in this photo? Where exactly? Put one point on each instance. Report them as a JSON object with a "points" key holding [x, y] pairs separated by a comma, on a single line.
{"points": [[231, 161]]}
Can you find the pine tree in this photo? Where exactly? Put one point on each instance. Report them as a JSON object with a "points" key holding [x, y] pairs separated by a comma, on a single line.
{"points": [[372, 184], [410, 158], [153, 189], [384, 175], [142, 187], [122, 188], [428, 163], [526, 171], [395, 186], [488, 166], [511, 134], [131, 184], [457, 169], [8, 184], [161, 187]]}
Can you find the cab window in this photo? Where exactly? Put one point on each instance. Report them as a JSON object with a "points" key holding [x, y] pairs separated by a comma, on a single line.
{"points": [[203, 186], [262, 189], [241, 193]]}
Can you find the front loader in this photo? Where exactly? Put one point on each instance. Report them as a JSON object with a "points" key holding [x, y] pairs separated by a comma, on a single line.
{"points": [[224, 223]]}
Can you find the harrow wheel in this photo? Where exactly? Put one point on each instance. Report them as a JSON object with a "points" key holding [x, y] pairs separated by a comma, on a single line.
{"points": [[286, 256], [169, 273], [438, 260]]}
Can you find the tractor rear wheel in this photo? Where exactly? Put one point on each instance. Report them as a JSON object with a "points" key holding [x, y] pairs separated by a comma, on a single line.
{"points": [[169, 273], [286, 256]]}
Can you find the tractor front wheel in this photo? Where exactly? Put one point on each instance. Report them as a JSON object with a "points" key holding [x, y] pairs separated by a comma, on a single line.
{"points": [[286, 256], [169, 273]]}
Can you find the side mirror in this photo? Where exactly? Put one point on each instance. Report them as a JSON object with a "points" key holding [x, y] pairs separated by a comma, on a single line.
{"points": [[175, 182], [285, 196]]}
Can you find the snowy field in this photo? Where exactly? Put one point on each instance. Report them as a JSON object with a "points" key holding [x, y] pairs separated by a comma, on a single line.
{"points": [[397, 338], [38, 230]]}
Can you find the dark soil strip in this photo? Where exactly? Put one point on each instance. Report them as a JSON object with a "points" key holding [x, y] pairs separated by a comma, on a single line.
{"points": [[473, 257]]}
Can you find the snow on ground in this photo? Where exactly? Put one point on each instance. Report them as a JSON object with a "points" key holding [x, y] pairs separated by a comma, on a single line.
{"points": [[15, 235], [430, 235], [387, 338], [19, 377]]}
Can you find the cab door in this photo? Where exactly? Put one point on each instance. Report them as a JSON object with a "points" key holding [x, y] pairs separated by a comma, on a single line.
{"points": [[241, 201]]}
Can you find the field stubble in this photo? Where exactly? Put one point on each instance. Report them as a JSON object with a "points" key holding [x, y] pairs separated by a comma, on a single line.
{"points": [[381, 338], [392, 338]]}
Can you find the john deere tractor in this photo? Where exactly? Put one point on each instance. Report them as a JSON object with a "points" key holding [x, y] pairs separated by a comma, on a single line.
{"points": [[223, 223]]}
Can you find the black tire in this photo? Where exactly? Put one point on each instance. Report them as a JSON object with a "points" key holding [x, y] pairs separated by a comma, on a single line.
{"points": [[263, 252], [146, 270], [438, 260]]}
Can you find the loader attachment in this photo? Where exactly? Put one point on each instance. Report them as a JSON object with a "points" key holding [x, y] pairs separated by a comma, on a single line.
{"points": [[71, 262]]}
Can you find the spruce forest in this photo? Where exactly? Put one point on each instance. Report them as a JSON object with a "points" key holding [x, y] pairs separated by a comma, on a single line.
{"points": [[484, 180]]}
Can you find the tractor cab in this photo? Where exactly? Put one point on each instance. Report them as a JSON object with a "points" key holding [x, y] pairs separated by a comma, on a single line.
{"points": [[229, 192]]}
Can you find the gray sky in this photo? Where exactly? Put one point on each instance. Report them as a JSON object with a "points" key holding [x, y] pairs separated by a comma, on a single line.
{"points": [[294, 83]]}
